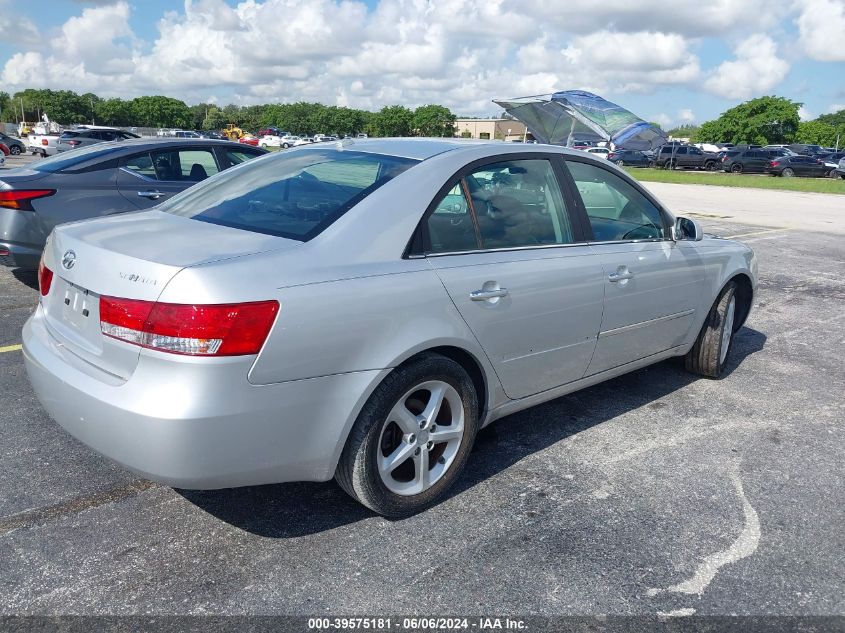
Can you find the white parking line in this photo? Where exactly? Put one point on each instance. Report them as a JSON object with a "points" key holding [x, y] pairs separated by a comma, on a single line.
{"points": [[733, 237], [10, 348]]}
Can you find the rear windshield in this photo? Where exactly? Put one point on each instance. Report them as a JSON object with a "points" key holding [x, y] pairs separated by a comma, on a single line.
{"points": [[69, 160], [295, 194]]}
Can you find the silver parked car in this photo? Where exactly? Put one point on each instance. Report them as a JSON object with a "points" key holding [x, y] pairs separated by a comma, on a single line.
{"points": [[359, 310]]}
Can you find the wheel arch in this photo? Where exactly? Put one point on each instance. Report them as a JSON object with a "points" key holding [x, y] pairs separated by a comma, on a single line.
{"points": [[744, 297], [485, 383]]}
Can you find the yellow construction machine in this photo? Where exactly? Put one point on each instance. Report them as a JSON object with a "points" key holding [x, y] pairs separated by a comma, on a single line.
{"points": [[233, 132]]}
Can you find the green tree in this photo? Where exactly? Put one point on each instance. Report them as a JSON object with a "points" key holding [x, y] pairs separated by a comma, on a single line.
{"points": [[113, 112], [392, 121], [433, 120], [159, 111], [817, 133], [836, 119], [683, 131], [6, 110], [215, 119], [762, 120]]}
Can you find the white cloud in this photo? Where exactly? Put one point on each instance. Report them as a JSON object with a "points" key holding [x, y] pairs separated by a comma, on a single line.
{"points": [[692, 18], [461, 53], [17, 30], [686, 116], [756, 70], [804, 114], [821, 25], [835, 107], [662, 119]]}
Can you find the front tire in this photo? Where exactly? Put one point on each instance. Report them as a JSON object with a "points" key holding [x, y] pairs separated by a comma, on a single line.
{"points": [[14, 150], [710, 351], [736, 168], [412, 439]]}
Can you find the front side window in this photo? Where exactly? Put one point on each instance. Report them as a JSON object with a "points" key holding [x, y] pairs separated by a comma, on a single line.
{"points": [[140, 164], [511, 204], [616, 210], [236, 157], [295, 194]]}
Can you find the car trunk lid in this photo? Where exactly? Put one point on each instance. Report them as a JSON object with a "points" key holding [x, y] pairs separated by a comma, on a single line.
{"points": [[128, 256]]}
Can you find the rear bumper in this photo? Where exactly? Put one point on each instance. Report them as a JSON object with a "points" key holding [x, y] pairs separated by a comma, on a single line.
{"points": [[197, 423], [23, 236], [16, 256]]}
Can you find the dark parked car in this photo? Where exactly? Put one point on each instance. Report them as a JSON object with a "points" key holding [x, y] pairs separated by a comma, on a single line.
{"points": [[796, 166], [751, 160], [101, 180], [15, 145], [83, 136], [686, 157], [632, 157], [806, 149], [210, 134], [840, 169]]}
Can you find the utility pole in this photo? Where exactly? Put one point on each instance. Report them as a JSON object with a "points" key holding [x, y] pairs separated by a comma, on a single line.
{"points": [[91, 99]]}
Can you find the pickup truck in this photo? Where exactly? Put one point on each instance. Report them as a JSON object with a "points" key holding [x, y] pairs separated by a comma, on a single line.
{"points": [[686, 157], [44, 144]]}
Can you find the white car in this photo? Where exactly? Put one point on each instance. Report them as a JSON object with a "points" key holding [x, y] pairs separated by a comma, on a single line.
{"points": [[598, 151], [293, 141], [270, 140]]}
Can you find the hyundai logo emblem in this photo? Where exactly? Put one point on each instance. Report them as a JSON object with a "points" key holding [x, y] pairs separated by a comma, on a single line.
{"points": [[68, 259]]}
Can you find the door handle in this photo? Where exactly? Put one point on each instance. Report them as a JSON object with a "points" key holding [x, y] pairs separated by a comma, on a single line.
{"points": [[152, 195], [485, 295], [621, 274]]}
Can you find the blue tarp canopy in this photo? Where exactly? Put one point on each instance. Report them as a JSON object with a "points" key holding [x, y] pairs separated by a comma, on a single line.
{"points": [[570, 116]]}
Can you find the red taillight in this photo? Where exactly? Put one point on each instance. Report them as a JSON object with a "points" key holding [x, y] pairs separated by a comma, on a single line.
{"points": [[44, 141], [45, 278], [22, 199], [230, 329]]}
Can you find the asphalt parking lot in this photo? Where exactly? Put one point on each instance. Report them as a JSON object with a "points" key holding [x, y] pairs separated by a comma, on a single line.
{"points": [[656, 492]]}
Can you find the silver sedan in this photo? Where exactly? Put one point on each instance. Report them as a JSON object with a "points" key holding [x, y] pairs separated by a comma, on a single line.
{"points": [[359, 310]]}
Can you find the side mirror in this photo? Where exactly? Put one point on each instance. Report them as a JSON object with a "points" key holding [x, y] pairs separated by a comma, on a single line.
{"points": [[687, 229]]}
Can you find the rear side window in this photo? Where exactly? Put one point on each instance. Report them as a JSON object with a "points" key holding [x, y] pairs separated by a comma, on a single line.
{"points": [[296, 195], [616, 210], [78, 158]]}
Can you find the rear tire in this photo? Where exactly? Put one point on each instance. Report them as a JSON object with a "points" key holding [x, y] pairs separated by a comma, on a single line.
{"points": [[390, 429], [710, 351], [14, 150], [788, 173], [736, 168], [620, 163]]}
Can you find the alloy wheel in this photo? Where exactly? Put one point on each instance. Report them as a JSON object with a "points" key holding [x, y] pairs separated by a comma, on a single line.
{"points": [[788, 173], [420, 437]]}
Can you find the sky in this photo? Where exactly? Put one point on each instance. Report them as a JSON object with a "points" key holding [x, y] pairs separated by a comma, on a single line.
{"points": [[673, 62]]}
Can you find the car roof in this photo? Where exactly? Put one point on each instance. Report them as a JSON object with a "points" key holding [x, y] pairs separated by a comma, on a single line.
{"points": [[423, 148], [136, 144]]}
